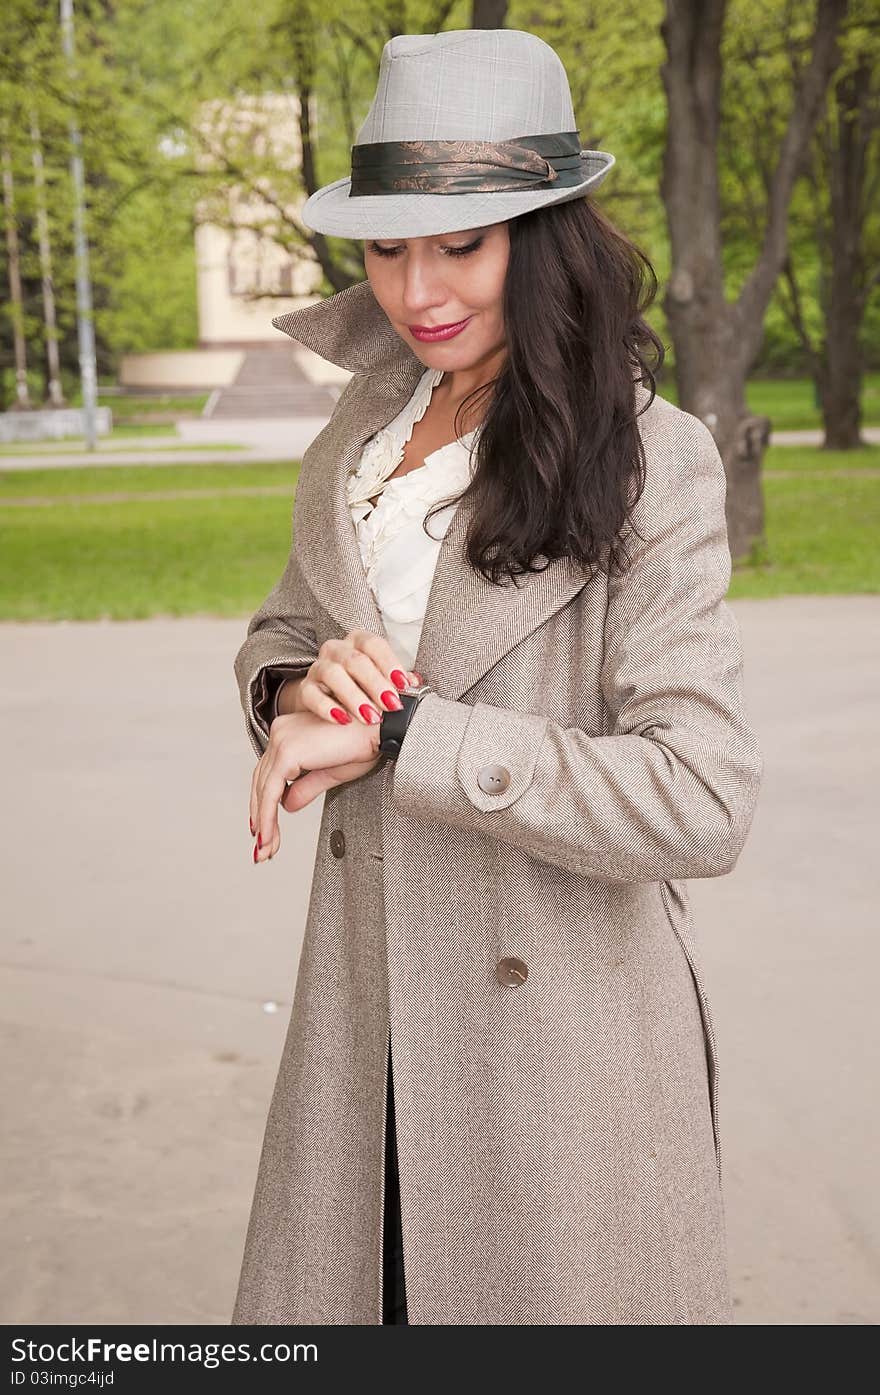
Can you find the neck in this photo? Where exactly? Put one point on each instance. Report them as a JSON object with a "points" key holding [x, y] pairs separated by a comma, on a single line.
{"points": [[458, 384]]}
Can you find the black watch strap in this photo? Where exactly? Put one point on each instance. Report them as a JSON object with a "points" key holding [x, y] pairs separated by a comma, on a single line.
{"points": [[393, 725]]}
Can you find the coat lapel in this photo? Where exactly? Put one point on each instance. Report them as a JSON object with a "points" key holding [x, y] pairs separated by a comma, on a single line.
{"points": [[470, 624]]}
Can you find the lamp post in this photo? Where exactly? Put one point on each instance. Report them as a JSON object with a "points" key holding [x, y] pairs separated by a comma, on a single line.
{"points": [[85, 322]]}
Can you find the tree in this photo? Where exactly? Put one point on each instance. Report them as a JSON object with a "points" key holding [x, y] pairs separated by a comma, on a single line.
{"points": [[717, 340], [843, 182]]}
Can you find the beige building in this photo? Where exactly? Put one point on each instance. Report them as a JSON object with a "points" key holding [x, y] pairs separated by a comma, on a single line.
{"points": [[249, 264]]}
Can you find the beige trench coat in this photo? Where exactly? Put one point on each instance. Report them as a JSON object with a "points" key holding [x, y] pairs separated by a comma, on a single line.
{"points": [[558, 1137]]}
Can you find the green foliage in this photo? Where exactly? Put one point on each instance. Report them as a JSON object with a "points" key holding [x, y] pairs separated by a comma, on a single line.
{"points": [[145, 68], [141, 69], [147, 273]]}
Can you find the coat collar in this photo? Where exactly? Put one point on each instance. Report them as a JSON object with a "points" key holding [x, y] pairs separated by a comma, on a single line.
{"points": [[470, 624], [349, 329]]}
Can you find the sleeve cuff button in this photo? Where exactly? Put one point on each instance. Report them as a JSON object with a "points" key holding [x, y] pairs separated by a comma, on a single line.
{"points": [[493, 779]]}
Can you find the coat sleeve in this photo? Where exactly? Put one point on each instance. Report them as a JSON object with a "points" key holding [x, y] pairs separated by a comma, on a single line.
{"points": [[280, 643], [671, 790]]}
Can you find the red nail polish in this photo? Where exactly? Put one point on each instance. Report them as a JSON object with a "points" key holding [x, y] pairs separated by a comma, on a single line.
{"points": [[398, 678], [369, 714], [255, 852], [391, 701], [339, 715], [259, 840]]}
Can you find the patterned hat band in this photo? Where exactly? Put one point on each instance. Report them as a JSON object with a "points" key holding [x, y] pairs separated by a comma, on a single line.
{"points": [[466, 166]]}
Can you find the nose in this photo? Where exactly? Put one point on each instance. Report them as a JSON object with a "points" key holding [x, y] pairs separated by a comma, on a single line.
{"points": [[423, 288]]}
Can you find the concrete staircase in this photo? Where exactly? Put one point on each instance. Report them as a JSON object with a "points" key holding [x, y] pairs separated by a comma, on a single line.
{"points": [[270, 383]]}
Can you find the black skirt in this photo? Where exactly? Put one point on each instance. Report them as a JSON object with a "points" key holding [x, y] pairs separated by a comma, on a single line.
{"points": [[393, 1283]]}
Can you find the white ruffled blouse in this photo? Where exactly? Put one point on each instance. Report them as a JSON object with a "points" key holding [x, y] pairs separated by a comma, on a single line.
{"points": [[399, 558]]}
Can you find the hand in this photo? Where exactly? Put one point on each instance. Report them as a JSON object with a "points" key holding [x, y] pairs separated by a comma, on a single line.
{"points": [[335, 754], [356, 678]]}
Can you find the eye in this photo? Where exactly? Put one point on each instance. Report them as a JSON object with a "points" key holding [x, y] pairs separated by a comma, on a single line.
{"points": [[448, 251], [463, 251]]}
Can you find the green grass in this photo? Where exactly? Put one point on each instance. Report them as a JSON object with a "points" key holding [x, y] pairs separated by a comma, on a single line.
{"points": [[128, 562], [806, 458], [821, 539], [221, 556], [130, 405], [141, 479], [129, 429], [126, 438], [790, 404]]}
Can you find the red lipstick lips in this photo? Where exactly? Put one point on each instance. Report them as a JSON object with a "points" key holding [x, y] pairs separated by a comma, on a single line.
{"points": [[428, 334]]}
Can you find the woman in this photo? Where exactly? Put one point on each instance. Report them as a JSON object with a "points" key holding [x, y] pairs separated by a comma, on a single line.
{"points": [[500, 882]]}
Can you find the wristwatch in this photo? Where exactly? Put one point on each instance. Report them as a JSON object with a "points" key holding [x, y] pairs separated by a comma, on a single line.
{"points": [[393, 726]]}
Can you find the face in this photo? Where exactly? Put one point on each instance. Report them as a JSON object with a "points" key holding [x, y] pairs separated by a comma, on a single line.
{"points": [[435, 282]]}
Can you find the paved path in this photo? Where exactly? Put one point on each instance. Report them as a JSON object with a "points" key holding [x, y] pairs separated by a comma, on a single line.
{"points": [[259, 441], [148, 968], [870, 435], [276, 438]]}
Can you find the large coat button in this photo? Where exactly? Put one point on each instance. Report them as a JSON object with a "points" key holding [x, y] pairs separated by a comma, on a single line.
{"points": [[337, 842], [493, 779], [511, 972]]}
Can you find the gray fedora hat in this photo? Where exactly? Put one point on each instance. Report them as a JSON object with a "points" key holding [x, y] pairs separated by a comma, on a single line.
{"points": [[467, 127]]}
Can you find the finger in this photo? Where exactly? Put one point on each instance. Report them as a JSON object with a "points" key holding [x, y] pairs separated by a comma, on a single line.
{"points": [[260, 774], [374, 681], [358, 677], [356, 684], [377, 648], [336, 688], [376, 670], [366, 698], [305, 788], [391, 668], [269, 757], [272, 789], [254, 801], [311, 783], [316, 697]]}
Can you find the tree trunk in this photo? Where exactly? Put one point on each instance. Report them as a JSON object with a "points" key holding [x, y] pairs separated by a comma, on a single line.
{"points": [[841, 366], [716, 342], [22, 397], [302, 43], [488, 14]]}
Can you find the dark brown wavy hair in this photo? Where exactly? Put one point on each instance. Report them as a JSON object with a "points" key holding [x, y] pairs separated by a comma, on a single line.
{"points": [[559, 463]]}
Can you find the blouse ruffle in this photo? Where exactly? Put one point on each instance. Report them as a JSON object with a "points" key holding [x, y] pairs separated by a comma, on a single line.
{"points": [[399, 557]]}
